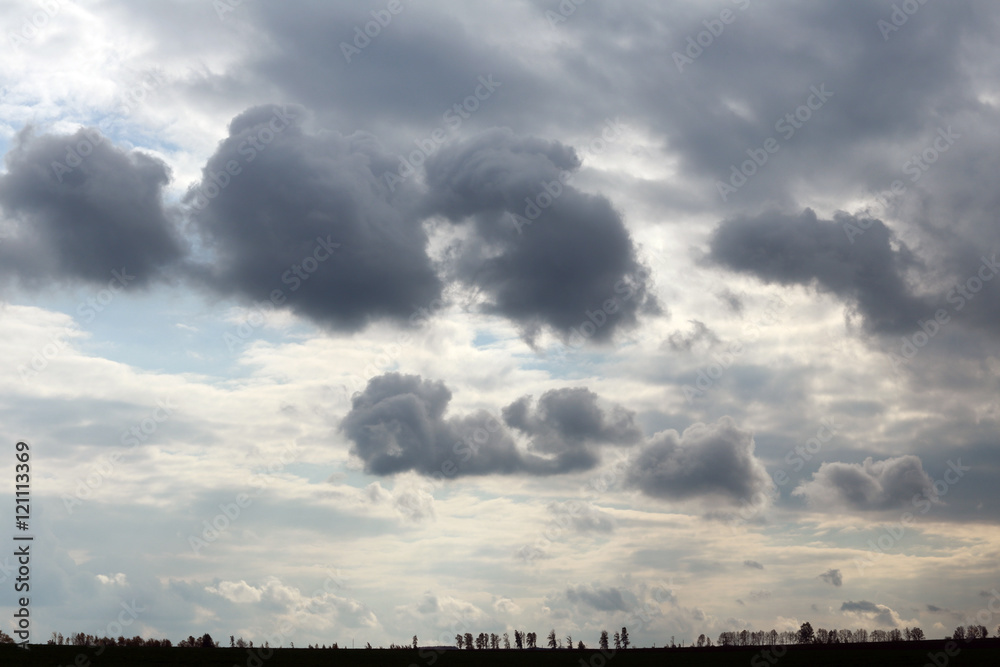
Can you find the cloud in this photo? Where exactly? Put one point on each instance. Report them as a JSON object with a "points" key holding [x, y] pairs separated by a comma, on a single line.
{"points": [[753, 564], [601, 599], [398, 424], [102, 213], [866, 271], [571, 424], [680, 342], [307, 214], [574, 263], [871, 485], [706, 460], [239, 592], [879, 613], [833, 577]]}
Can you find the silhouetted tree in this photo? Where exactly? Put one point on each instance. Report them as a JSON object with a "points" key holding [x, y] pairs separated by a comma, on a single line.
{"points": [[552, 638], [618, 641], [603, 643], [624, 638], [506, 640], [414, 641], [468, 641], [532, 640], [580, 645], [206, 641], [701, 640], [806, 633], [518, 639], [459, 640], [569, 641], [959, 633]]}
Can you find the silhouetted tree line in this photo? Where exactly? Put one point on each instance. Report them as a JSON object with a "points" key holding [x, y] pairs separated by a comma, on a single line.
{"points": [[81, 639], [806, 635], [529, 640]]}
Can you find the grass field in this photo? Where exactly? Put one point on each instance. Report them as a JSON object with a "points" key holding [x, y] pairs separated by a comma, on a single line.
{"points": [[983, 653]]}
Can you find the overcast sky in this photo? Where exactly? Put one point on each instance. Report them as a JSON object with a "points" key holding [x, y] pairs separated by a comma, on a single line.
{"points": [[474, 317]]}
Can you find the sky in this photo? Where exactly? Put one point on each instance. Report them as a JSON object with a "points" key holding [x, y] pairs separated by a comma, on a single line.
{"points": [[348, 322]]}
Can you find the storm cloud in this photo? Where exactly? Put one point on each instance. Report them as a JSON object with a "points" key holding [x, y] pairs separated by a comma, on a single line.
{"points": [[870, 485], [398, 423], [78, 208], [306, 214], [543, 253], [713, 460], [867, 271]]}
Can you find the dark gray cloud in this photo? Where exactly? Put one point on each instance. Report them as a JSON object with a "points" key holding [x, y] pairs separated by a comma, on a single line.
{"points": [[398, 423], [601, 599], [81, 208], [282, 208], [715, 460], [572, 423], [867, 271], [868, 486], [753, 564], [833, 577], [575, 263]]}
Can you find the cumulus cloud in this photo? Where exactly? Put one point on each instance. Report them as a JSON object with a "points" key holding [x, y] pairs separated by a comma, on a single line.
{"points": [[870, 485], [879, 613], [866, 271], [833, 577], [601, 599], [575, 258], [102, 213], [306, 214], [398, 423], [715, 460], [570, 423]]}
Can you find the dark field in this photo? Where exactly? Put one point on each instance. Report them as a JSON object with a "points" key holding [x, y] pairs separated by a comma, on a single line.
{"points": [[985, 653]]}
